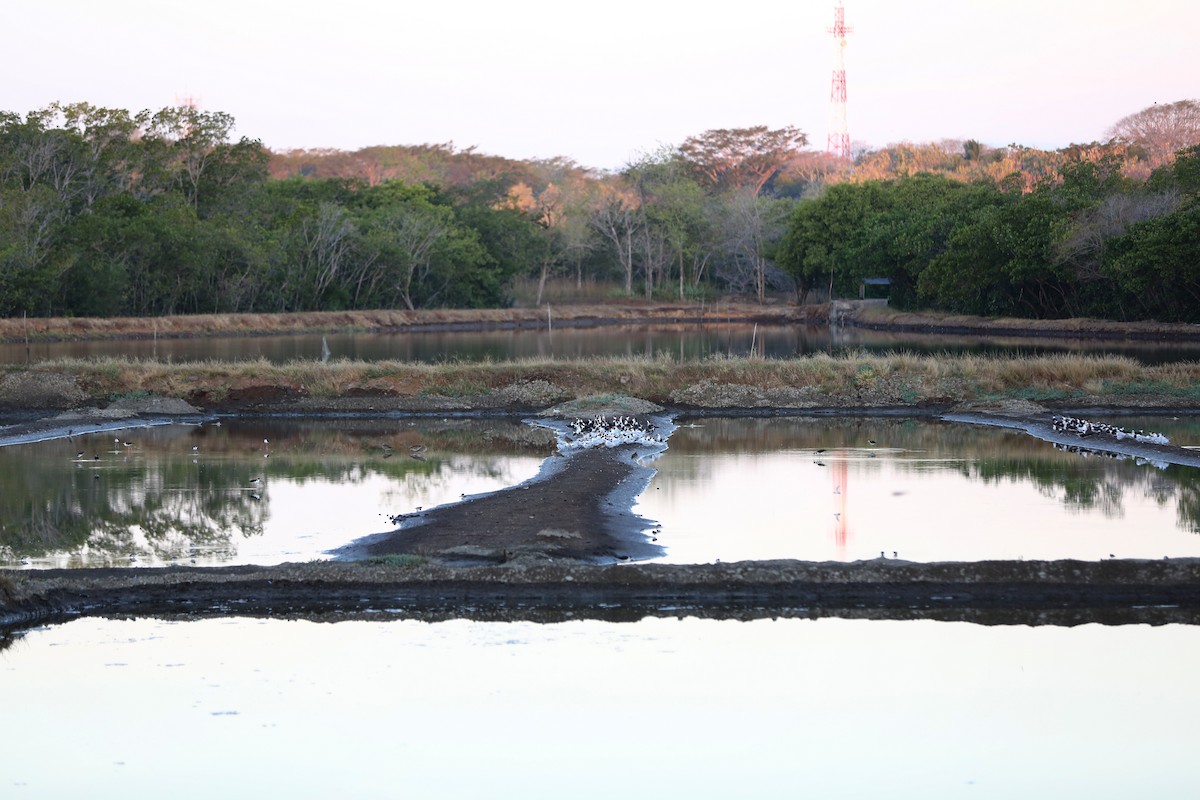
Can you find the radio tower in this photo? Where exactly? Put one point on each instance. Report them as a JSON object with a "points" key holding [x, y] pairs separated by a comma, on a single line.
{"points": [[839, 134]]}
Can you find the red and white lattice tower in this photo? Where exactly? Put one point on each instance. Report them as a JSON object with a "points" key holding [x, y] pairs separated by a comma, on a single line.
{"points": [[839, 134]]}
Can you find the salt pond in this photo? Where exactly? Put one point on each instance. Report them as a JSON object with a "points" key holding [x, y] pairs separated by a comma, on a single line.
{"points": [[690, 708], [920, 490], [726, 489]]}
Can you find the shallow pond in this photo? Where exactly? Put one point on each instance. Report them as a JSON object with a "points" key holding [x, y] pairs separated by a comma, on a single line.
{"points": [[691, 708], [673, 341], [919, 490], [726, 489]]}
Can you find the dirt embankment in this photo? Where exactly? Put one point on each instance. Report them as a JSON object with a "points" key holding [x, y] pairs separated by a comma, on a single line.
{"points": [[1007, 592], [391, 320]]}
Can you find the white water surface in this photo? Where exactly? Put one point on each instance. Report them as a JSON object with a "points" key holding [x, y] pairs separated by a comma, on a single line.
{"points": [[658, 708]]}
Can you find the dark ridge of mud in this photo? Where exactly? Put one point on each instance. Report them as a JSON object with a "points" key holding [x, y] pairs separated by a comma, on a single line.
{"points": [[576, 508], [997, 592]]}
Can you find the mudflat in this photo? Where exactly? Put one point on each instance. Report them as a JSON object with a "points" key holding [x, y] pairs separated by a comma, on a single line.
{"points": [[577, 509]]}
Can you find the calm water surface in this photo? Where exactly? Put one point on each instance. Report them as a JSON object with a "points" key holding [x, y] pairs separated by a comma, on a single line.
{"points": [[819, 490], [310, 487], [726, 489], [678, 341], [659, 708]]}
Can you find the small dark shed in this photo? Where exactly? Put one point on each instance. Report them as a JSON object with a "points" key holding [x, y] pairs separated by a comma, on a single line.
{"points": [[875, 288]]}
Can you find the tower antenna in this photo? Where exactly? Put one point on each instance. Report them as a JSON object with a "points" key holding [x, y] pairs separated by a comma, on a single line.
{"points": [[838, 144]]}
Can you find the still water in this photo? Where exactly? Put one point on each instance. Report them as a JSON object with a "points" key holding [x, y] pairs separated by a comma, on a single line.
{"points": [[674, 341], [726, 489], [659, 708]]}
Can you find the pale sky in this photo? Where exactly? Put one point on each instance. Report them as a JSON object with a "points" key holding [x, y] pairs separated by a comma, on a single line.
{"points": [[602, 82]]}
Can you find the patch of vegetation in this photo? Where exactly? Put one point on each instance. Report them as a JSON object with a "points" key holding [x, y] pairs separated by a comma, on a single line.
{"points": [[1149, 387]]}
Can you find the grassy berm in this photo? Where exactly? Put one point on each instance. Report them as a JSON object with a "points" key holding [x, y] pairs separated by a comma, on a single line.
{"points": [[852, 381]]}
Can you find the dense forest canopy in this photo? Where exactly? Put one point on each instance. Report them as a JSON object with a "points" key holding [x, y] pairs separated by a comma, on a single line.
{"points": [[107, 212]]}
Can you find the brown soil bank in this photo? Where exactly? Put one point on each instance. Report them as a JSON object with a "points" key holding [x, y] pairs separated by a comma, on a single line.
{"points": [[382, 320], [1008, 592]]}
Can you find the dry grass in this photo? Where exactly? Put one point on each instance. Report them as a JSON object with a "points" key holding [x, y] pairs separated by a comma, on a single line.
{"points": [[859, 378], [17, 329]]}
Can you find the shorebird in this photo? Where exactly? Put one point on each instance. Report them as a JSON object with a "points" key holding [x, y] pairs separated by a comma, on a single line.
{"points": [[255, 481]]}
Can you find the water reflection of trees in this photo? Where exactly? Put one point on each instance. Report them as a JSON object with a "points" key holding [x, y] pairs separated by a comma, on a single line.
{"points": [[154, 507], [162, 500], [987, 454]]}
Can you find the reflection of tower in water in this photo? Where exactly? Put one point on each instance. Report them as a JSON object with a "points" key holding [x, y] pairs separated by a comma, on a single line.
{"points": [[841, 488]]}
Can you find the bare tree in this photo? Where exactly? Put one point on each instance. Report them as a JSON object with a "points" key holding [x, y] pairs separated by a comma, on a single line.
{"points": [[1113, 217], [1161, 130], [617, 219], [753, 225], [327, 243]]}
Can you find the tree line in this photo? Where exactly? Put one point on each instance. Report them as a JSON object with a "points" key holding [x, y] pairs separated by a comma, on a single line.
{"points": [[1090, 242], [106, 212]]}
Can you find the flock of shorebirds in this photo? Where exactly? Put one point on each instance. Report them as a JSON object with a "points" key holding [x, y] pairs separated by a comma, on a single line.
{"points": [[1083, 428], [612, 431]]}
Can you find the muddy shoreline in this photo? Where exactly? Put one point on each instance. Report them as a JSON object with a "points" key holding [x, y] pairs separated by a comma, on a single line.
{"points": [[999, 592]]}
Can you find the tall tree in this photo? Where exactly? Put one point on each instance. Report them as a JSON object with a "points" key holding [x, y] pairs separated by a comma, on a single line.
{"points": [[738, 158]]}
